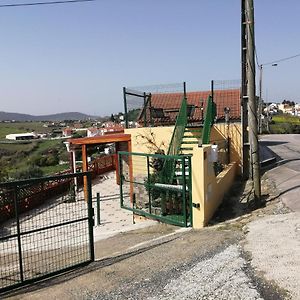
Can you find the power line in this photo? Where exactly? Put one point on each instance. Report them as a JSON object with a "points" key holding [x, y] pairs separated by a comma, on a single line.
{"points": [[44, 3], [282, 59]]}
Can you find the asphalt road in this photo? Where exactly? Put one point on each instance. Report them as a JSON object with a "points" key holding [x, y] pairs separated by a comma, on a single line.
{"points": [[286, 175]]}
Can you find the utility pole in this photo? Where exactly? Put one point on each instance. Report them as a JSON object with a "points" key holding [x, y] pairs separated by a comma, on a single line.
{"points": [[252, 106], [260, 103], [246, 170]]}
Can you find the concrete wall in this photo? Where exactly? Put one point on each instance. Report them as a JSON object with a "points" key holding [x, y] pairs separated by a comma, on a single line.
{"points": [[207, 189]]}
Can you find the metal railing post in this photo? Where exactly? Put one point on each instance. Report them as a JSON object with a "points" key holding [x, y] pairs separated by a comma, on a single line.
{"points": [[184, 190], [18, 233], [98, 209], [91, 220], [148, 179]]}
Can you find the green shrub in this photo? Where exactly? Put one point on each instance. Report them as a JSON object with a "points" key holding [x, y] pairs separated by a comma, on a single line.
{"points": [[27, 173]]}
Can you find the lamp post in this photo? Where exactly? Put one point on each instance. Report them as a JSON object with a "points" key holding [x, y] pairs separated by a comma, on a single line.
{"points": [[260, 104]]}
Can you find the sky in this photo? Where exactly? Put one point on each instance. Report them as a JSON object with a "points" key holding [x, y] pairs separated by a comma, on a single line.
{"points": [[77, 57]]}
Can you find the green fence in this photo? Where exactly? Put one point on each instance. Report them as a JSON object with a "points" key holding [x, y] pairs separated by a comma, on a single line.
{"points": [[43, 234], [146, 192]]}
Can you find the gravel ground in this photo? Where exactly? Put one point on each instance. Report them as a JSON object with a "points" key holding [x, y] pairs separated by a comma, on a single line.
{"points": [[219, 277], [276, 251]]}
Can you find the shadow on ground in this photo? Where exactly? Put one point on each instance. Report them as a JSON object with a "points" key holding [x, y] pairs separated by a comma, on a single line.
{"points": [[237, 202]]}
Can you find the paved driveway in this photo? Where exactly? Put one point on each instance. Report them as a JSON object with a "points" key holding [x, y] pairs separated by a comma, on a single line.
{"points": [[286, 175]]}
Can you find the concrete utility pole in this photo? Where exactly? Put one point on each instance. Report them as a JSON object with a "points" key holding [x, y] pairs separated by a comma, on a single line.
{"points": [[260, 103], [246, 170], [252, 106]]}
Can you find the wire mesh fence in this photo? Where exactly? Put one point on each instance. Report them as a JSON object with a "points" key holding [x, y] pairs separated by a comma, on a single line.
{"points": [[148, 190], [47, 239], [226, 95], [138, 106]]}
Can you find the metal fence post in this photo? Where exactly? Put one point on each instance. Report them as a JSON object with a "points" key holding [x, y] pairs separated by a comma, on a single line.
{"points": [[16, 204], [121, 178], [184, 190], [91, 217], [98, 209], [148, 179], [125, 107]]}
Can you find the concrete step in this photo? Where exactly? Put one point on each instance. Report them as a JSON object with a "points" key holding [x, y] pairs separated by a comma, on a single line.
{"points": [[187, 142]]}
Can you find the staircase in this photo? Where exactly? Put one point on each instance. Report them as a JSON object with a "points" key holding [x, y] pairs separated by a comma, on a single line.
{"points": [[185, 137], [192, 136], [198, 135]]}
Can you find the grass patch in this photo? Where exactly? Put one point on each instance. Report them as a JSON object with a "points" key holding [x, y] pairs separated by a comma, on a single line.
{"points": [[282, 124], [22, 127], [49, 170]]}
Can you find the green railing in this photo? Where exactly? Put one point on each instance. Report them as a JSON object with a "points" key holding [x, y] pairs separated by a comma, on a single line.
{"points": [[146, 193], [167, 172], [210, 115], [179, 128]]}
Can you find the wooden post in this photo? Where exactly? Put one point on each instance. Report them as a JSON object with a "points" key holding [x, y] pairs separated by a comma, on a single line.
{"points": [[84, 169]]}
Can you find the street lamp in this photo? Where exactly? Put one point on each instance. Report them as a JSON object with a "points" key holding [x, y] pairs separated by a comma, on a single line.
{"points": [[260, 104]]}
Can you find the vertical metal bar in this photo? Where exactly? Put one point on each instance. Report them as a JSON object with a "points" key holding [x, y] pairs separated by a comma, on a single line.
{"points": [[184, 191], [125, 107], [98, 209], [145, 110], [16, 204], [150, 110], [148, 179], [133, 205], [121, 178], [190, 190], [184, 90], [212, 90], [90, 216]]}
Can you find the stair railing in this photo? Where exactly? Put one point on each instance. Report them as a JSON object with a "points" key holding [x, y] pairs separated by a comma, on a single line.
{"points": [[209, 118], [175, 144]]}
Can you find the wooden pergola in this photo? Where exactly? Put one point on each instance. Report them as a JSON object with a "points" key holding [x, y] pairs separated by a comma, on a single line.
{"points": [[120, 140]]}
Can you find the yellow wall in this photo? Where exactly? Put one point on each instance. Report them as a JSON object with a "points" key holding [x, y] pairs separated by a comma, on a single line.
{"points": [[234, 132], [150, 139], [208, 190]]}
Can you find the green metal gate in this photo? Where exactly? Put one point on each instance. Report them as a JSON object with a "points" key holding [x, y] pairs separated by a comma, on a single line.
{"points": [[157, 186], [46, 227]]}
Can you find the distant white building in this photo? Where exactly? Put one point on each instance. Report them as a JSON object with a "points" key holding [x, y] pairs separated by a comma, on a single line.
{"points": [[21, 136]]}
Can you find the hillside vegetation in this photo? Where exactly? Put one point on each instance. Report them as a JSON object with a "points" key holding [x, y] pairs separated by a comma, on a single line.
{"points": [[283, 124], [31, 159]]}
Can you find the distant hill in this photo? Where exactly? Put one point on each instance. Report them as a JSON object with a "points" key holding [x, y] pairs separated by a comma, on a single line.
{"points": [[6, 116]]}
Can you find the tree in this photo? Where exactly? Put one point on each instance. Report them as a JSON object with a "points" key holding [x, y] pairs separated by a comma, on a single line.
{"points": [[112, 118]]}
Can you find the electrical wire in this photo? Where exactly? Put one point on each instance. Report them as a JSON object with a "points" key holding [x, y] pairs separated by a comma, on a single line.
{"points": [[282, 59], [44, 3]]}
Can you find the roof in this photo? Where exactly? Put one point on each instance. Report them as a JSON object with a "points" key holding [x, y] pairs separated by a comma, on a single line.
{"points": [[170, 103], [96, 140]]}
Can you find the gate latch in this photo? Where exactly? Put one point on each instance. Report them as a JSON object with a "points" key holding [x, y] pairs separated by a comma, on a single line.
{"points": [[196, 205]]}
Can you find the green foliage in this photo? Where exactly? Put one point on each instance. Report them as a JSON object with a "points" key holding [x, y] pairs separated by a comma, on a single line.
{"points": [[284, 124], [79, 134], [27, 173], [133, 114]]}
